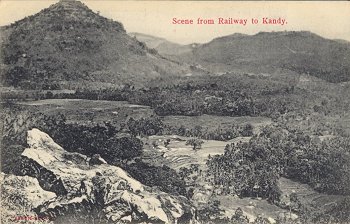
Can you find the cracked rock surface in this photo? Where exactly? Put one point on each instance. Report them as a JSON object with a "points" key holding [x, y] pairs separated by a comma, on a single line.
{"points": [[71, 188]]}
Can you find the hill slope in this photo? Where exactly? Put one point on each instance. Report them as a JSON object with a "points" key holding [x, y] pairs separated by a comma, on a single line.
{"points": [[68, 44], [301, 52], [163, 46]]}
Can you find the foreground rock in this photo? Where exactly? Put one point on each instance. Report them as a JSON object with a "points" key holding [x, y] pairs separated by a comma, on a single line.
{"points": [[19, 195], [102, 193]]}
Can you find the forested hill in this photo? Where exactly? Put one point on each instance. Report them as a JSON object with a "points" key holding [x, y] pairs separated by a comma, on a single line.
{"points": [[68, 44], [301, 52]]}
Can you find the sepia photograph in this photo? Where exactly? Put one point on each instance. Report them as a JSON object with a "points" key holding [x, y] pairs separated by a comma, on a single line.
{"points": [[174, 112]]}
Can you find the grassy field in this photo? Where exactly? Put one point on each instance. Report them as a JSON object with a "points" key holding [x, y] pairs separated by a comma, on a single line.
{"points": [[177, 154]]}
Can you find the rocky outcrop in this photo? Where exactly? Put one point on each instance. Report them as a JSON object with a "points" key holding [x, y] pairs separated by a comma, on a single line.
{"points": [[19, 195], [102, 191]]}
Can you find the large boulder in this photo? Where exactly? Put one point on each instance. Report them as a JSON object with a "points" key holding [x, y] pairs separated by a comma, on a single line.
{"points": [[86, 191]]}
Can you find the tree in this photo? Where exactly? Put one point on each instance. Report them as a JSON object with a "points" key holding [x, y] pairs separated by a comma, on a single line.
{"points": [[49, 95], [239, 218], [210, 211], [247, 130], [261, 220], [196, 143]]}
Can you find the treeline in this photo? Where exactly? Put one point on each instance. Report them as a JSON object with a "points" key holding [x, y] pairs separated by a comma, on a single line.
{"points": [[167, 179], [104, 139], [194, 99], [227, 95], [253, 168], [245, 171], [230, 95], [219, 133], [317, 123]]}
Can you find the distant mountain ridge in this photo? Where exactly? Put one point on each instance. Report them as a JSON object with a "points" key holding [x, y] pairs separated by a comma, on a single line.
{"points": [[302, 52], [67, 44], [163, 46]]}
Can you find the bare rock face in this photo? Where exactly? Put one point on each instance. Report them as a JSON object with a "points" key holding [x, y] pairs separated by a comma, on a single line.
{"points": [[100, 192]]}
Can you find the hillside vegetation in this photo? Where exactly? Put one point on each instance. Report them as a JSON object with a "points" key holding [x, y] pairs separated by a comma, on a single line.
{"points": [[265, 52], [68, 44]]}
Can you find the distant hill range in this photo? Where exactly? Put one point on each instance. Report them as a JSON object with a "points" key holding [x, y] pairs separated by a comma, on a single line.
{"points": [[69, 45], [266, 52], [163, 46]]}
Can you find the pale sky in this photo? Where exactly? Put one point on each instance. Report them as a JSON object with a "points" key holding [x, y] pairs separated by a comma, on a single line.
{"points": [[328, 19]]}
